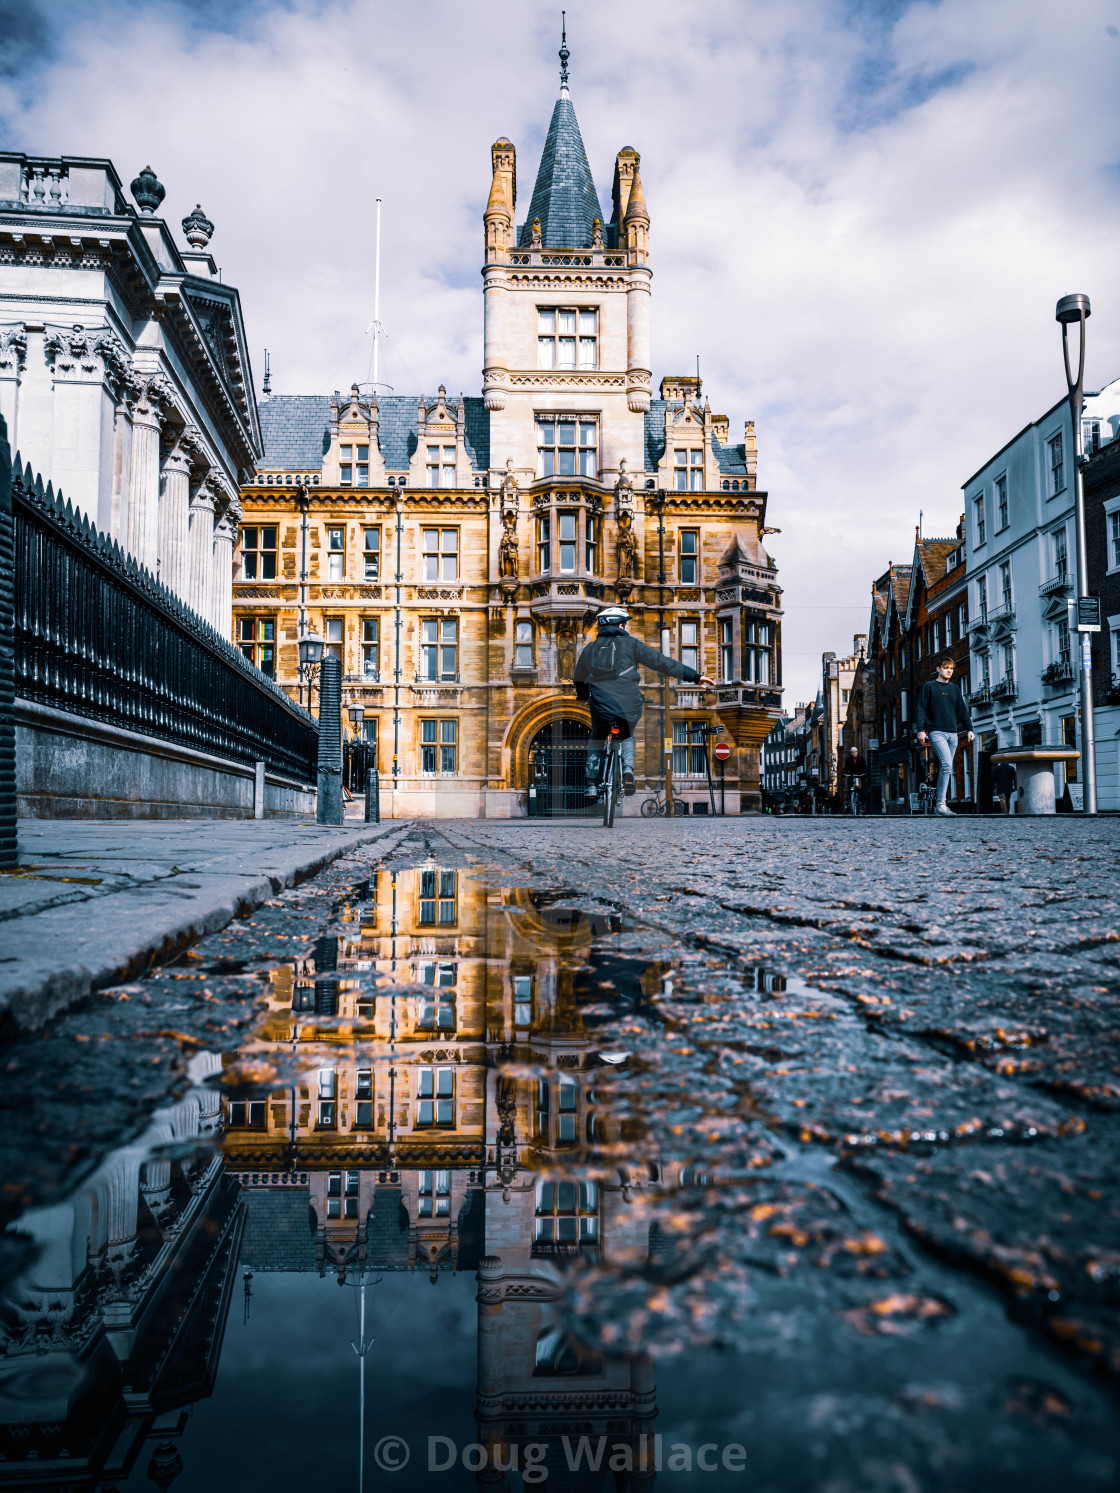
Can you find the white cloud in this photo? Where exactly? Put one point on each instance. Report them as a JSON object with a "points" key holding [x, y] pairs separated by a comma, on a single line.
{"points": [[861, 224]]}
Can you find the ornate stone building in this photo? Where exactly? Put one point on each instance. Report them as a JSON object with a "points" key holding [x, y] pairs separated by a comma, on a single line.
{"points": [[455, 550], [124, 370]]}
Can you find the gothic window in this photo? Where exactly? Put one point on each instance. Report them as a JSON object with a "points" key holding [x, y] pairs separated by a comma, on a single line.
{"points": [[441, 554], [591, 544], [438, 746], [439, 648], [258, 553], [567, 338], [567, 447], [566, 535], [371, 540], [567, 1213], [435, 1194], [690, 645], [437, 897], [435, 1096], [256, 637], [688, 470], [726, 649], [544, 543], [523, 644], [441, 466], [353, 466], [336, 554], [332, 628], [369, 647], [689, 548], [756, 652]]}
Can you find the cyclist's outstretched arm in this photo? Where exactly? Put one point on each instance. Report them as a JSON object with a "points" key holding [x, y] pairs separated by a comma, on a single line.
{"points": [[663, 664]]}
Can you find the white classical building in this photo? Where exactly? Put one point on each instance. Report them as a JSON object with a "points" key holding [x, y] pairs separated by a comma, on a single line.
{"points": [[1021, 560], [124, 372]]}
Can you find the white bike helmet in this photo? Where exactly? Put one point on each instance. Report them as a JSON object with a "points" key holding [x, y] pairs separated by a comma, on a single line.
{"points": [[613, 614]]}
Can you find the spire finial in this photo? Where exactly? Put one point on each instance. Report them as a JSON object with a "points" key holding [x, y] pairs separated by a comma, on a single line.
{"points": [[564, 53]]}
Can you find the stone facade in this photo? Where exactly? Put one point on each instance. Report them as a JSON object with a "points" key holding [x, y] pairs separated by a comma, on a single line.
{"points": [[455, 550], [837, 677], [124, 372], [1102, 526]]}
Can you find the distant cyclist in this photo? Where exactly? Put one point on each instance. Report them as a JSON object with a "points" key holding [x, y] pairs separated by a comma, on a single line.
{"points": [[606, 675], [855, 770]]}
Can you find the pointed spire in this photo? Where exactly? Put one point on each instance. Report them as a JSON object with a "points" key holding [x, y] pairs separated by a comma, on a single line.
{"points": [[564, 196], [636, 211], [564, 54]]}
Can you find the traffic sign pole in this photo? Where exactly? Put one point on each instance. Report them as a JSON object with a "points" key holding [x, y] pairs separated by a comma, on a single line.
{"points": [[722, 751]]}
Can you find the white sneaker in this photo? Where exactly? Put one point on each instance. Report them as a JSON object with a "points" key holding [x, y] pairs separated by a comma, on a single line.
{"points": [[945, 811]]}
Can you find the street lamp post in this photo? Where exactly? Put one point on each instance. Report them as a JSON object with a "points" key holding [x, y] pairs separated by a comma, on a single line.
{"points": [[328, 804], [1073, 310], [370, 784]]}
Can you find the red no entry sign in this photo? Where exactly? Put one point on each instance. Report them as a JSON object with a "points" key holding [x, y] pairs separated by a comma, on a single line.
{"points": [[722, 751]]}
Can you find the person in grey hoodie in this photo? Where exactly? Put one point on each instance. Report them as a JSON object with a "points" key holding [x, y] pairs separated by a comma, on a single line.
{"points": [[941, 717]]}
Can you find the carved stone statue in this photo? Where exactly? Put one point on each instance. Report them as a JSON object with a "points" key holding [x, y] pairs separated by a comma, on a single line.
{"points": [[510, 496], [507, 548], [627, 547], [596, 234], [535, 234], [566, 651]]}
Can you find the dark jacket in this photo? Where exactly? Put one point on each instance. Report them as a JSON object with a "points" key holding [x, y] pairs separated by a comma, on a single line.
{"points": [[1004, 778], [854, 767], [941, 707], [622, 695]]}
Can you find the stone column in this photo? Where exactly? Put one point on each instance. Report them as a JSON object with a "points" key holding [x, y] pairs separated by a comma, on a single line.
{"points": [[143, 508], [13, 352], [200, 549], [174, 519], [121, 1175], [221, 594]]}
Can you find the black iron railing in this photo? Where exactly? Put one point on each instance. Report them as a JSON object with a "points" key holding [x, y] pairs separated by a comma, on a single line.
{"points": [[97, 635]]}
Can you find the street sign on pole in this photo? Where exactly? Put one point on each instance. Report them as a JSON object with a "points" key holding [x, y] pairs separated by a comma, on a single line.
{"points": [[1088, 614], [722, 751]]}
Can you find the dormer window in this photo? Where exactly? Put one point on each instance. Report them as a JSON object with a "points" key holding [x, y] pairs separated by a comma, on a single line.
{"points": [[688, 467], [353, 466], [567, 338], [441, 466]]}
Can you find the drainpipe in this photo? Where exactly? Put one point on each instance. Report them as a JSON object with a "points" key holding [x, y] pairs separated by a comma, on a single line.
{"points": [[397, 664]]}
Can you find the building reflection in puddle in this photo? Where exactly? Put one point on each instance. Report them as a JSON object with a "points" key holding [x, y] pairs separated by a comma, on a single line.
{"points": [[115, 1328], [457, 1046], [438, 1086]]}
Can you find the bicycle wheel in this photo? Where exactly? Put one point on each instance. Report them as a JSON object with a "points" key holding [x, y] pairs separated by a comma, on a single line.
{"points": [[606, 790], [615, 790], [650, 808]]}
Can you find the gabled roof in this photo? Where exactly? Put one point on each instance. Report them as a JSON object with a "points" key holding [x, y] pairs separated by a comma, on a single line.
{"points": [[564, 197], [929, 560], [296, 430], [732, 459]]}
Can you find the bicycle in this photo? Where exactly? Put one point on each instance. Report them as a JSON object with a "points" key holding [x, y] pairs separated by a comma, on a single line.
{"points": [[926, 795], [610, 776], [855, 797], [652, 807]]}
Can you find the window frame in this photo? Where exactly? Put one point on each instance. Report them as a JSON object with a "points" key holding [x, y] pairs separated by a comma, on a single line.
{"points": [[332, 644], [439, 745], [1055, 445], [374, 551], [371, 648], [688, 560], [584, 446], [979, 519], [553, 338], [256, 558], [1003, 519], [336, 552], [257, 648], [439, 566], [523, 647]]}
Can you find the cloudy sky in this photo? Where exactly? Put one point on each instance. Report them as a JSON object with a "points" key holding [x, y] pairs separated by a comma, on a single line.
{"points": [[863, 211]]}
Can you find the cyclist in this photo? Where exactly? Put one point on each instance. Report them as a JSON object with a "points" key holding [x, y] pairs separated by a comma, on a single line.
{"points": [[606, 675], [855, 770]]}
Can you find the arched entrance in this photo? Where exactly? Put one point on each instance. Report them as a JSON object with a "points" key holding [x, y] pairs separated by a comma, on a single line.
{"points": [[557, 768]]}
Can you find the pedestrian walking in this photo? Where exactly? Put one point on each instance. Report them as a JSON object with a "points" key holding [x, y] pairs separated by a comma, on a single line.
{"points": [[1005, 782], [941, 717]]}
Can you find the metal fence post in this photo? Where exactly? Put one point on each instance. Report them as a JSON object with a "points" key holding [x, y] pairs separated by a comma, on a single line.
{"points": [[8, 850], [373, 796], [328, 807]]}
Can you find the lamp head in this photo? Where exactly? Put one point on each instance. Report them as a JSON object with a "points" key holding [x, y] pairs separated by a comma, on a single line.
{"points": [[1070, 307], [356, 712], [310, 649]]}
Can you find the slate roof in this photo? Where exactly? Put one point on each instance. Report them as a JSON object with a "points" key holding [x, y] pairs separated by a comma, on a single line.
{"points": [[732, 459], [564, 197], [296, 430]]}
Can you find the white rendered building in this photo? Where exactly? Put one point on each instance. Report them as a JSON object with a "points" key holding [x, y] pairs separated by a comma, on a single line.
{"points": [[124, 372], [1021, 569]]}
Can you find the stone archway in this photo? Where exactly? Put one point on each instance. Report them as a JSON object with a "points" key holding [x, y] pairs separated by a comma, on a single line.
{"points": [[524, 728], [558, 767]]}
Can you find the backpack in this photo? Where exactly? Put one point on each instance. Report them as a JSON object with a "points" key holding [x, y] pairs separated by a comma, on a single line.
{"points": [[605, 658]]}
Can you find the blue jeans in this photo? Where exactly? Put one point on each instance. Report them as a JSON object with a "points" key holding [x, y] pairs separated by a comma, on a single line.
{"points": [[595, 756], [944, 744]]}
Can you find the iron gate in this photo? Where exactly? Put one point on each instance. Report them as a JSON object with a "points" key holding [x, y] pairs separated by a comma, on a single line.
{"points": [[558, 770]]}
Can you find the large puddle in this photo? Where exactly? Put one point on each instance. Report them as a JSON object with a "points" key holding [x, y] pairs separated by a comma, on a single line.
{"points": [[485, 1198]]}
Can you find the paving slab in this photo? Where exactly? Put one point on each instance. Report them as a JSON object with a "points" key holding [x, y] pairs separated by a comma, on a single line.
{"points": [[95, 902]]}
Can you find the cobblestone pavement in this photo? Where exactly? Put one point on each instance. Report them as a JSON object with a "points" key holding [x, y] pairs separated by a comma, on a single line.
{"points": [[949, 1030], [886, 1055]]}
